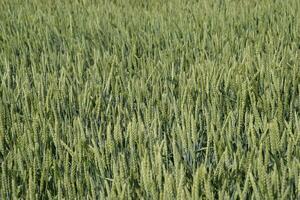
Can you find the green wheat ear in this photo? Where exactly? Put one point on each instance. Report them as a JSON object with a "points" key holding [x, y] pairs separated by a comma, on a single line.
{"points": [[274, 135]]}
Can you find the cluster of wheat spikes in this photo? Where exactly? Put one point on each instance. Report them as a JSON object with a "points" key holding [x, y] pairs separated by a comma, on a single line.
{"points": [[152, 99]]}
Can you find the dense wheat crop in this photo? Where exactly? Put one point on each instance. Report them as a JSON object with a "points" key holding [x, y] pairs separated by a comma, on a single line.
{"points": [[149, 99]]}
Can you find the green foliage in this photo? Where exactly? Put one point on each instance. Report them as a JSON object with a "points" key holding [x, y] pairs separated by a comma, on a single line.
{"points": [[154, 99]]}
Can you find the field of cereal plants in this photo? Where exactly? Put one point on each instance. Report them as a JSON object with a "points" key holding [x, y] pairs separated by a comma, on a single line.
{"points": [[152, 99]]}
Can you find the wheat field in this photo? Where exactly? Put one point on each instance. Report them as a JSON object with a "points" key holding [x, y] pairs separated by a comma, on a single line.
{"points": [[149, 99]]}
